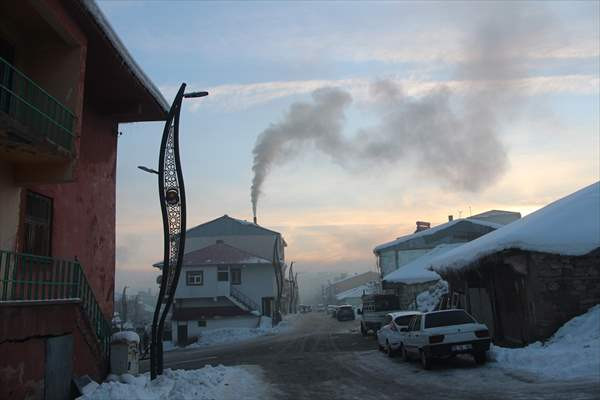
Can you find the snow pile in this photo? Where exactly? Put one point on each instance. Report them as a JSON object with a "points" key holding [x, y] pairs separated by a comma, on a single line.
{"points": [[429, 299], [125, 336], [214, 337], [201, 384], [568, 226], [431, 231], [417, 271], [573, 351]]}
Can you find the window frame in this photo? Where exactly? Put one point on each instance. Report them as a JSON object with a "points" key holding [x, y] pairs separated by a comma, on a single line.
{"points": [[31, 222], [222, 270], [189, 274], [231, 273]]}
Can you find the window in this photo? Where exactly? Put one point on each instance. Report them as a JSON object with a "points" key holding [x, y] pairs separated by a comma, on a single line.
{"points": [[195, 278], [236, 276], [404, 320], [201, 323], [223, 274], [416, 324], [447, 318], [37, 224]]}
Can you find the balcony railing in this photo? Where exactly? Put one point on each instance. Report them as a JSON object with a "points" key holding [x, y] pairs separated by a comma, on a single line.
{"points": [[33, 107], [26, 277]]}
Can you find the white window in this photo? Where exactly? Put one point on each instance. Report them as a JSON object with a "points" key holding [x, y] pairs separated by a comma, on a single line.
{"points": [[195, 278]]}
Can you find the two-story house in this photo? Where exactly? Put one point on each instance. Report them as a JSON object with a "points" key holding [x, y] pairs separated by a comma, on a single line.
{"points": [[66, 82], [228, 278]]}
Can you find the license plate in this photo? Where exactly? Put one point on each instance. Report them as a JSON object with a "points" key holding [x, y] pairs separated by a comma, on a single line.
{"points": [[461, 347]]}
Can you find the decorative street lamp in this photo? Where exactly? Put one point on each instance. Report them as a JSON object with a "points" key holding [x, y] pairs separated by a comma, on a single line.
{"points": [[171, 193]]}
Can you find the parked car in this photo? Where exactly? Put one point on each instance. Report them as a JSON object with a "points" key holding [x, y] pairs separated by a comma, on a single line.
{"points": [[345, 313], [440, 334], [304, 308], [391, 335], [373, 310], [320, 308]]}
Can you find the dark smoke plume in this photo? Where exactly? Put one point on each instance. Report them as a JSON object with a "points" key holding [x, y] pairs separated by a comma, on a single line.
{"points": [[452, 137]]}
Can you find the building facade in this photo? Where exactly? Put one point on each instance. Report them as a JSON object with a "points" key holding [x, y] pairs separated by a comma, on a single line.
{"points": [[66, 82]]}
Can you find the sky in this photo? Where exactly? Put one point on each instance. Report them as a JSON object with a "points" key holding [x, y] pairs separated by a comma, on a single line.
{"points": [[360, 118]]}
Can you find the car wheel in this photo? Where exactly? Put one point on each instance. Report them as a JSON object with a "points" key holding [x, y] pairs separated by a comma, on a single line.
{"points": [[479, 358], [405, 356], [389, 351], [425, 361]]}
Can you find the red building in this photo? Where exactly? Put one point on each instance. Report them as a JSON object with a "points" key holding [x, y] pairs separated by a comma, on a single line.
{"points": [[66, 82]]}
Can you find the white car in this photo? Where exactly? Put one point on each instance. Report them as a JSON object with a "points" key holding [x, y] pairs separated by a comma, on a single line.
{"points": [[391, 334], [445, 333]]}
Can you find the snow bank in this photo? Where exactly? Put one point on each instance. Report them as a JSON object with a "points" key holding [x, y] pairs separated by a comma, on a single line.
{"points": [[433, 230], [429, 299], [417, 271], [214, 337], [568, 226], [573, 351], [201, 384], [125, 336]]}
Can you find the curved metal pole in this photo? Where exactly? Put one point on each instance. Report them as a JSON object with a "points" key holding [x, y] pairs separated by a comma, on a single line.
{"points": [[172, 202]]}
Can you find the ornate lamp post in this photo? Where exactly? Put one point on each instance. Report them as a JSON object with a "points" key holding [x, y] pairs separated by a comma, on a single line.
{"points": [[171, 194]]}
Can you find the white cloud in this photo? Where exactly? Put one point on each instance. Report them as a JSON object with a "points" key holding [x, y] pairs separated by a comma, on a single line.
{"points": [[242, 96]]}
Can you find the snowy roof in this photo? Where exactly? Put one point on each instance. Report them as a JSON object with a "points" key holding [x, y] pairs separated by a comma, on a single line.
{"points": [[98, 16], [569, 226], [435, 229], [418, 271], [367, 288], [221, 253], [226, 225]]}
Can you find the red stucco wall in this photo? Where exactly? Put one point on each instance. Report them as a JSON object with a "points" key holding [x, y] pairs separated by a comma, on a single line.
{"points": [[83, 224], [24, 330]]}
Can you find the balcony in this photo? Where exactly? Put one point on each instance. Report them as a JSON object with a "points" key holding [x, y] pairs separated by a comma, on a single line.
{"points": [[29, 278], [34, 126]]}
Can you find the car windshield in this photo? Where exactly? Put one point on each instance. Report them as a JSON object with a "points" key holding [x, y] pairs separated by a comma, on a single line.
{"points": [[447, 318], [403, 320]]}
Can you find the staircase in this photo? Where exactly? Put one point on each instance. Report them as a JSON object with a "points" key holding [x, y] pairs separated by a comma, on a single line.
{"points": [[242, 300]]}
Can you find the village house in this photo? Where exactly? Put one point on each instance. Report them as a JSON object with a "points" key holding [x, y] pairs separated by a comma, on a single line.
{"points": [[66, 82], [402, 273], [345, 284], [228, 278], [525, 280]]}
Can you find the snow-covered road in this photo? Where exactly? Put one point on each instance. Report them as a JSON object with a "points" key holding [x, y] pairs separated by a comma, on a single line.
{"points": [[322, 358]]}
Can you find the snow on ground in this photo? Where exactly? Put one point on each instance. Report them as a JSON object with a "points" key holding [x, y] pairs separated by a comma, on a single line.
{"points": [[429, 299], [568, 226], [213, 337], [573, 351], [417, 271], [201, 384]]}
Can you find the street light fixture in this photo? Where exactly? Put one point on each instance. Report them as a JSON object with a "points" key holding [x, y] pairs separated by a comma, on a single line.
{"points": [[171, 192]]}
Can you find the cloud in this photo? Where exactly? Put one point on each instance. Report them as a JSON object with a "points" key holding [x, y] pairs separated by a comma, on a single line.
{"points": [[235, 97]]}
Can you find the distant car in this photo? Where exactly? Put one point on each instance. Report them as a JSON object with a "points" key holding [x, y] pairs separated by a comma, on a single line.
{"points": [[391, 335], [440, 334], [304, 308], [320, 308], [345, 313], [331, 309]]}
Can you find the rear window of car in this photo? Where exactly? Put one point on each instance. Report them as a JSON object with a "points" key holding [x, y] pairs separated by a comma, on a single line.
{"points": [[345, 309], [447, 318], [404, 320]]}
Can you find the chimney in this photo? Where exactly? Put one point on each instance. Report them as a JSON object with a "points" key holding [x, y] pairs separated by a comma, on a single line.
{"points": [[422, 225], [450, 218], [255, 220]]}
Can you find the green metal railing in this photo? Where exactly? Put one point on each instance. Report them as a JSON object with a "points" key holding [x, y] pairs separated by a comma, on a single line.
{"points": [[26, 277], [35, 108]]}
